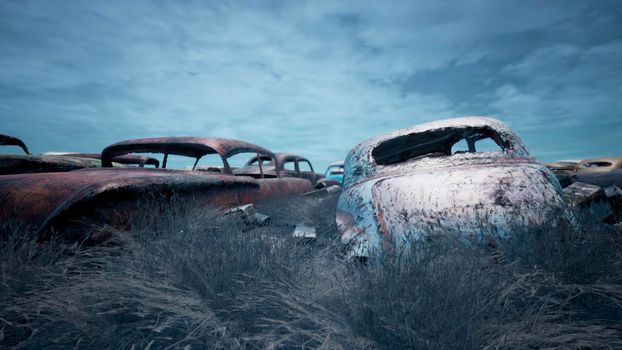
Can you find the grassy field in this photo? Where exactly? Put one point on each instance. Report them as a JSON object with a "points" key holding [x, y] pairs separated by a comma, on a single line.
{"points": [[194, 280]]}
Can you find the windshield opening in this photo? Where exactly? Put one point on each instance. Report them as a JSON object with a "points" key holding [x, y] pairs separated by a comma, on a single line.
{"points": [[251, 164], [438, 143]]}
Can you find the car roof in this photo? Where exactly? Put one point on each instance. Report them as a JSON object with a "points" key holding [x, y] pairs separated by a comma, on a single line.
{"points": [[189, 146], [359, 163], [615, 161], [6, 140]]}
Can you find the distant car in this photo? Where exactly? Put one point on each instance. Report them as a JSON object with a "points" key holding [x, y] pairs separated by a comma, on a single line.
{"points": [[335, 172], [126, 159], [563, 165], [603, 172], [470, 177], [595, 171], [289, 165], [63, 202], [28, 163], [58, 161], [599, 165]]}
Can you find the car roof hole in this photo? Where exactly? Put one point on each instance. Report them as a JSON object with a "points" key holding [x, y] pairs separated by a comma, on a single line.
{"points": [[437, 143]]}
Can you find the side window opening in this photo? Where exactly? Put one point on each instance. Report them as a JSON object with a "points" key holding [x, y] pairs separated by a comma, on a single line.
{"points": [[173, 161], [238, 163], [304, 165], [254, 162], [487, 145], [336, 171], [239, 160], [210, 163], [290, 165], [437, 143], [460, 147]]}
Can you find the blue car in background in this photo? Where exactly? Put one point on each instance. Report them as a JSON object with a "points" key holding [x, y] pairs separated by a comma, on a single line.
{"points": [[335, 172]]}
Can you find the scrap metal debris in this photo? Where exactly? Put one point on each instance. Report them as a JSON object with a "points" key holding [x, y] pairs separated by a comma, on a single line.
{"points": [[250, 215], [588, 200], [580, 194]]}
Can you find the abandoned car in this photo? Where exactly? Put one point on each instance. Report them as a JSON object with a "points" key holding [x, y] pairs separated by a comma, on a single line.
{"points": [[599, 165], [335, 172], [470, 176], [55, 161], [601, 172], [126, 159], [289, 165], [66, 202], [563, 165]]}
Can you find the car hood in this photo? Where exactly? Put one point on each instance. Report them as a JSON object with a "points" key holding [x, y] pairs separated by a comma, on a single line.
{"points": [[471, 199], [40, 198]]}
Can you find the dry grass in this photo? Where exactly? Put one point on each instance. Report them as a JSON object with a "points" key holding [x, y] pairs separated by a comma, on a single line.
{"points": [[204, 281]]}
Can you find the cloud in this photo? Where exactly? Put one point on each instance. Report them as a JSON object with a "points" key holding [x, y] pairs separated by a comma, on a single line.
{"points": [[314, 77]]}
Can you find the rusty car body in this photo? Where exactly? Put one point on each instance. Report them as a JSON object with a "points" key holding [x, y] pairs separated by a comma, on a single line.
{"points": [[126, 159], [599, 165], [289, 165], [595, 171], [563, 165], [64, 202], [29, 163], [25, 164], [413, 183], [6, 140]]}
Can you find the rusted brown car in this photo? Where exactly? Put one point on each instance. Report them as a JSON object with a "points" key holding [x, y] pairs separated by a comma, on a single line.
{"points": [[289, 165], [58, 161], [126, 159], [63, 202], [563, 165], [599, 165], [6, 140], [602, 172], [471, 177]]}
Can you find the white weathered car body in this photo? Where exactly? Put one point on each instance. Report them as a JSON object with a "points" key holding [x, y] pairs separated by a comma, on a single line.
{"points": [[405, 185]]}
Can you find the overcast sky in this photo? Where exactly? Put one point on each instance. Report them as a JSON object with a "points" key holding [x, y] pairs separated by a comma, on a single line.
{"points": [[310, 77]]}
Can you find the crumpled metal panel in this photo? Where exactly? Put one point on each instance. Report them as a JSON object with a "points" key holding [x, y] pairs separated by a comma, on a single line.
{"points": [[468, 194]]}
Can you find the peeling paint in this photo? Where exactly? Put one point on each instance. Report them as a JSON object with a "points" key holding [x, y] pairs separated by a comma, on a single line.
{"points": [[420, 187]]}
